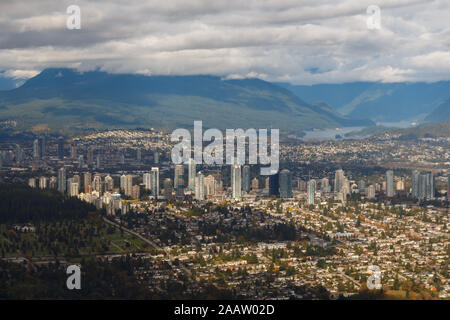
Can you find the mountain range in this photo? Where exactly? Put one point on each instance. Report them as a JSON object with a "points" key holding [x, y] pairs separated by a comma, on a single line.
{"points": [[67, 100], [382, 102]]}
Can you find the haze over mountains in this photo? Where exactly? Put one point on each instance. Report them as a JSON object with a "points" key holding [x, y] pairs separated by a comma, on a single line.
{"points": [[64, 99], [382, 102]]}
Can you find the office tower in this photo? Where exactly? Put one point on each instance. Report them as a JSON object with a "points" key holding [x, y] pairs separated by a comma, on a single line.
{"points": [[43, 183], [199, 186], [138, 155], [80, 161], [87, 181], [73, 150], [415, 183], [178, 180], [97, 183], [32, 182], [285, 184], [156, 157], [90, 155], [60, 148], [109, 183], [147, 179], [135, 192], [210, 185], [274, 185], [53, 182], [324, 185], [236, 181], [311, 187], [77, 179], [246, 178], [36, 149], [155, 182], [390, 183], [339, 180], [422, 187], [267, 184], [371, 192], [167, 186], [191, 174], [255, 184], [62, 184], [43, 147], [73, 189]]}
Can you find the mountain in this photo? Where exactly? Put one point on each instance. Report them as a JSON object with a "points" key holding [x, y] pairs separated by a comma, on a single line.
{"points": [[64, 99], [440, 113], [381, 102]]}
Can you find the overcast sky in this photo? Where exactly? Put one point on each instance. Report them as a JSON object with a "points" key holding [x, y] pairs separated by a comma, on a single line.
{"points": [[297, 41]]}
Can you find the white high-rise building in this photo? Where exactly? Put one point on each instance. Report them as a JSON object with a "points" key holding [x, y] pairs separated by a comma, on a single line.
{"points": [[339, 180], [199, 187], [210, 185], [236, 181], [73, 189], [43, 183], [155, 182], [390, 183], [311, 187], [126, 184], [191, 174], [371, 192], [147, 178]]}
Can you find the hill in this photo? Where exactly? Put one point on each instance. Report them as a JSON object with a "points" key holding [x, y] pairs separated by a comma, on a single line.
{"points": [[440, 113], [64, 99], [383, 102]]}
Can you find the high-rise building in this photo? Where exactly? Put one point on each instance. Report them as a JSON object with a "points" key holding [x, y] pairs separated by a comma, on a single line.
{"points": [[43, 183], [448, 187], [138, 155], [415, 183], [126, 184], [156, 157], [36, 149], [430, 186], [167, 185], [155, 182], [285, 184], [109, 183], [255, 184], [371, 192], [246, 178], [147, 179], [339, 180], [135, 192], [80, 161], [43, 147], [426, 186], [274, 185], [73, 150], [325, 185], [236, 181], [210, 185], [191, 174], [32, 182], [390, 183], [60, 148], [62, 184], [178, 181], [87, 181], [311, 186], [73, 189], [97, 183], [199, 186]]}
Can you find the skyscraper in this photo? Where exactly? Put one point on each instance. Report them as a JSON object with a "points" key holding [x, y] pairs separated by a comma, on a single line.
{"points": [[371, 192], [338, 180], [191, 174], [167, 185], [155, 182], [36, 149], [311, 187], [285, 184], [199, 186], [178, 181], [246, 178], [210, 185], [147, 179], [62, 184], [274, 185], [236, 181], [43, 146], [61, 148], [87, 182], [415, 183], [126, 184], [390, 183]]}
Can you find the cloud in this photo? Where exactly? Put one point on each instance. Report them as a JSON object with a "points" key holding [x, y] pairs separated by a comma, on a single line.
{"points": [[301, 41]]}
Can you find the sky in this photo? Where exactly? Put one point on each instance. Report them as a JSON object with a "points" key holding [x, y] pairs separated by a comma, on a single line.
{"points": [[301, 42]]}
